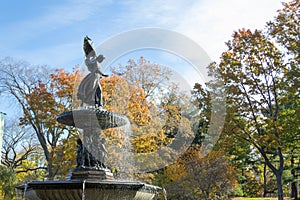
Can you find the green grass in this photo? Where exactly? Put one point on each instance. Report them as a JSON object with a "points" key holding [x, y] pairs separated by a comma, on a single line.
{"points": [[246, 198]]}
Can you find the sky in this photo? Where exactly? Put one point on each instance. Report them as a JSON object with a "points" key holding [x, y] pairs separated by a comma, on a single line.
{"points": [[51, 32]]}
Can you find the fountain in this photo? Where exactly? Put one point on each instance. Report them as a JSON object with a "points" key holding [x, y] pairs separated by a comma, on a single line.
{"points": [[91, 179]]}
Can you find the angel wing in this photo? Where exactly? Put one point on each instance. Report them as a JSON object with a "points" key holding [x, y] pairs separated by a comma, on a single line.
{"points": [[87, 47]]}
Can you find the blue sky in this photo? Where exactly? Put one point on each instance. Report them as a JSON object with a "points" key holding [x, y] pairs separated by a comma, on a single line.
{"points": [[51, 32]]}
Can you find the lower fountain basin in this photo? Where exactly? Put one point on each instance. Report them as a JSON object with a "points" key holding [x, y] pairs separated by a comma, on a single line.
{"points": [[93, 190]]}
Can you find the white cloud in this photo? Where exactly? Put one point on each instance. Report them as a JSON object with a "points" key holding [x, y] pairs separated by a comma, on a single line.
{"points": [[212, 22], [71, 12], [209, 22], [155, 12], [54, 17]]}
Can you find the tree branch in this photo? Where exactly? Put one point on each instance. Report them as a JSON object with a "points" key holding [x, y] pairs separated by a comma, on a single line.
{"points": [[31, 169]]}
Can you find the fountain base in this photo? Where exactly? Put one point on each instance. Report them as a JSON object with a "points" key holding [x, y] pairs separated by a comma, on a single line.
{"points": [[90, 190]]}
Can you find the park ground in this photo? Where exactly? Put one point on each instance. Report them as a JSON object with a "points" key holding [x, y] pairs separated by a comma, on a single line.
{"points": [[255, 198]]}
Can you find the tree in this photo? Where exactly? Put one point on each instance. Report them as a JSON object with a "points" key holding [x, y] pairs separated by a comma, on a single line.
{"points": [[18, 146], [22, 154], [41, 95], [202, 99], [251, 69], [254, 71], [8, 181], [192, 177], [285, 30], [261, 72], [246, 162], [144, 92]]}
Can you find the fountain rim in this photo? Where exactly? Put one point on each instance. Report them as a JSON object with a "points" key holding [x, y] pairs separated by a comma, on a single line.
{"points": [[77, 184], [98, 118]]}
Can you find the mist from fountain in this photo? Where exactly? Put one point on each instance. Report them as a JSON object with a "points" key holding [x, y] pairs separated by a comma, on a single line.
{"points": [[126, 164]]}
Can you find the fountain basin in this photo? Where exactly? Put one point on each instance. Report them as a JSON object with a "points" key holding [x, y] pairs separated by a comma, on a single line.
{"points": [[88, 118], [93, 190]]}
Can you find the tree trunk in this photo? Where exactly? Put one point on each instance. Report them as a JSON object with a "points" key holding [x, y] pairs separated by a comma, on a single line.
{"points": [[47, 154], [279, 175], [294, 188], [279, 185], [50, 175], [265, 180], [278, 172], [294, 184]]}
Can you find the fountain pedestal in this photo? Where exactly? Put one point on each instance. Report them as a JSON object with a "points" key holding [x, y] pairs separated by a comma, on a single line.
{"points": [[89, 174]]}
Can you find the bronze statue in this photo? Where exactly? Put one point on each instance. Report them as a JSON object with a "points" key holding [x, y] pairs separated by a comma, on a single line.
{"points": [[103, 156], [84, 159], [89, 90]]}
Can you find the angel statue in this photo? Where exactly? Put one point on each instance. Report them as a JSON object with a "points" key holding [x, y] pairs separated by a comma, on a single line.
{"points": [[89, 90]]}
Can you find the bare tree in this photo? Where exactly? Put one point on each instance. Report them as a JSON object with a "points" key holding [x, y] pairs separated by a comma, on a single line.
{"points": [[19, 144], [41, 98]]}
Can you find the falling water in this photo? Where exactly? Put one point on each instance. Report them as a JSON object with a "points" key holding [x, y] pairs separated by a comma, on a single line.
{"points": [[25, 190], [126, 161], [17, 194], [165, 193], [83, 190]]}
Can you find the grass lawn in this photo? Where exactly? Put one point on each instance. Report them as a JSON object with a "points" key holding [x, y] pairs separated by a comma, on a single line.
{"points": [[246, 198]]}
